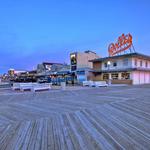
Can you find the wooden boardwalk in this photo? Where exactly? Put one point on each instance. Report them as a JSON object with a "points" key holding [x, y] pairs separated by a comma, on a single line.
{"points": [[92, 119]]}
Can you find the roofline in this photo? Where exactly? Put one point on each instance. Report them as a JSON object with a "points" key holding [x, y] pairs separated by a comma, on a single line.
{"points": [[120, 56], [51, 63], [83, 52]]}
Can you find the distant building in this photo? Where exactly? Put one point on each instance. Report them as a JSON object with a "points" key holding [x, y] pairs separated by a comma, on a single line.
{"points": [[49, 67], [133, 68], [81, 59], [13, 72], [81, 65], [54, 72]]}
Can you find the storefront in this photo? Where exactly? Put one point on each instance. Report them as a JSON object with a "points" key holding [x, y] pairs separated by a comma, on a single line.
{"points": [[133, 68]]}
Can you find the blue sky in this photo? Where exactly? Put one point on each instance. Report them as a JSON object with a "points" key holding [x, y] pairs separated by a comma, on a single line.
{"points": [[33, 31]]}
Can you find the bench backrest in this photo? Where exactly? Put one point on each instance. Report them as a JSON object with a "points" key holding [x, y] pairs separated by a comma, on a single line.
{"points": [[23, 84], [100, 82]]}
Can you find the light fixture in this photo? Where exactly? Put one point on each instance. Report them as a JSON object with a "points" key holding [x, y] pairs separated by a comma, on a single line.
{"points": [[108, 63]]}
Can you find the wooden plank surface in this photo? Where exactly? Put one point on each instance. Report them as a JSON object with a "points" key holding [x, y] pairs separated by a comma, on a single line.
{"points": [[94, 118]]}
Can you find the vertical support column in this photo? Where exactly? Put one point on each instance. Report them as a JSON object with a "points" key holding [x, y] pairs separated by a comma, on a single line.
{"points": [[131, 75], [109, 80], [119, 76], [110, 76]]}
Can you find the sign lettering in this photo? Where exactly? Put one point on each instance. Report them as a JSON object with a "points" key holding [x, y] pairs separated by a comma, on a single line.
{"points": [[124, 43]]}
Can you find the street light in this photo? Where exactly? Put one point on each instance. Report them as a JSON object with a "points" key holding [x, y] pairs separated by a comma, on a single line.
{"points": [[109, 77], [108, 63]]}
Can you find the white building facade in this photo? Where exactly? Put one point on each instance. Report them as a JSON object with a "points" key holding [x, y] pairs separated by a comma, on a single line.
{"points": [[131, 68]]}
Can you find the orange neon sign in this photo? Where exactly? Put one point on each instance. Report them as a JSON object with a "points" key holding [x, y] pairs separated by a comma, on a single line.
{"points": [[124, 43]]}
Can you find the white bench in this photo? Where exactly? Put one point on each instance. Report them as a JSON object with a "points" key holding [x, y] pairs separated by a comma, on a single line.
{"points": [[48, 84], [86, 83], [101, 84], [23, 86], [91, 83], [31, 86], [16, 86], [95, 84], [41, 87]]}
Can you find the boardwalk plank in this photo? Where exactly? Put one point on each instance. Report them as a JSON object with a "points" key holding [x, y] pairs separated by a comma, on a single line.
{"points": [[90, 119]]}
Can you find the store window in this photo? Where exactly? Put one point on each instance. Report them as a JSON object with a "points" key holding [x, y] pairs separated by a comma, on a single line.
{"points": [[125, 62], [73, 68], [115, 64], [141, 63], [73, 59], [135, 62], [125, 76], [80, 72], [114, 76], [146, 64], [105, 65], [105, 76]]}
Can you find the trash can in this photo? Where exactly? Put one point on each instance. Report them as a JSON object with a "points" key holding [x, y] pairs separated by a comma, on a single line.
{"points": [[63, 85]]}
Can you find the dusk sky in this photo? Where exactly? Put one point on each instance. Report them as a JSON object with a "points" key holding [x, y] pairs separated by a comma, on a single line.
{"points": [[33, 31]]}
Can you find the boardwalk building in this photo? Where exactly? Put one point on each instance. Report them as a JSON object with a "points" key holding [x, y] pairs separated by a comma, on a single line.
{"points": [[133, 68], [81, 65]]}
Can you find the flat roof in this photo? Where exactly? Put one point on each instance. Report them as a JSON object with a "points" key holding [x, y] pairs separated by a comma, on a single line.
{"points": [[83, 52], [122, 56], [51, 63]]}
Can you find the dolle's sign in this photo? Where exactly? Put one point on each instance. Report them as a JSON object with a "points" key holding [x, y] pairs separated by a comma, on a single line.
{"points": [[124, 43]]}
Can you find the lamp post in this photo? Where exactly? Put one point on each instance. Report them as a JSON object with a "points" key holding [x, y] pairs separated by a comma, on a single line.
{"points": [[109, 75]]}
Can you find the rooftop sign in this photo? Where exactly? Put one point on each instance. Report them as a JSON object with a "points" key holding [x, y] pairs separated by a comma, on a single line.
{"points": [[124, 43]]}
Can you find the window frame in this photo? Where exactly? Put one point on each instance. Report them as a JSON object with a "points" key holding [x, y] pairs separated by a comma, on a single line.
{"points": [[115, 64], [105, 65], [115, 76], [146, 64], [141, 63], [136, 62], [123, 77], [125, 61]]}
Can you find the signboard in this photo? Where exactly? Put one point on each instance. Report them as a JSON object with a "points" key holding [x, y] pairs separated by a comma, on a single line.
{"points": [[81, 78], [124, 43], [48, 67], [73, 59]]}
